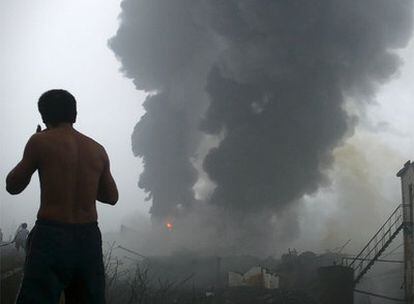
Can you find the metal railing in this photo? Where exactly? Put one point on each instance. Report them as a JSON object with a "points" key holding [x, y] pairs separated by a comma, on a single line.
{"points": [[378, 243]]}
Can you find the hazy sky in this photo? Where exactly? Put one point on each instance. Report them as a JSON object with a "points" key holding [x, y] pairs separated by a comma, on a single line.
{"points": [[63, 44]]}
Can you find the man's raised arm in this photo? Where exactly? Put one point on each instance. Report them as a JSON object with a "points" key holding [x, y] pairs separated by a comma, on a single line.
{"points": [[18, 178]]}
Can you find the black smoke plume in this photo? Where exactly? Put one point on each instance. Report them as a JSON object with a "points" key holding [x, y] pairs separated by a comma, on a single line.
{"points": [[269, 78]]}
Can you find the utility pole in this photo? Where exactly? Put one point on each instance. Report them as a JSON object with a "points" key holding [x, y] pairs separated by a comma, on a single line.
{"points": [[407, 186]]}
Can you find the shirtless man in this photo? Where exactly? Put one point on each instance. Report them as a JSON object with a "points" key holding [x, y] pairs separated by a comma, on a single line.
{"points": [[64, 249]]}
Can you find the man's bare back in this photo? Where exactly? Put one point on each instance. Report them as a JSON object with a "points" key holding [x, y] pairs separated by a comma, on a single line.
{"points": [[73, 171]]}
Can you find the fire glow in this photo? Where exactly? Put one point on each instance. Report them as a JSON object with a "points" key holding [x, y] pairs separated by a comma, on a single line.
{"points": [[169, 226]]}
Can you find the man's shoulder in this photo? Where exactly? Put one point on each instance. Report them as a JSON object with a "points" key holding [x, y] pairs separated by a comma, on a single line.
{"points": [[47, 136], [43, 139], [91, 142], [35, 142], [39, 140], [36, 137], [39, 137]]}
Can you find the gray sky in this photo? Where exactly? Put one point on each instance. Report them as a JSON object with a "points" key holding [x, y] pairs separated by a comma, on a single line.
{"points": [[63, 44]]}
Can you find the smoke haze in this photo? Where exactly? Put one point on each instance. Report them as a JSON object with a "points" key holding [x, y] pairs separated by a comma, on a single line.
{"points": [[246, 102]]}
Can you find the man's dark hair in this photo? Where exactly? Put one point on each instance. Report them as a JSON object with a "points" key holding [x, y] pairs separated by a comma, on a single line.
{"points": [[57, 106]]}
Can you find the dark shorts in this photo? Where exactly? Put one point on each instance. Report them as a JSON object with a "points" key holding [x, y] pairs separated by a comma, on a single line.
{"points": [[63, 257]]}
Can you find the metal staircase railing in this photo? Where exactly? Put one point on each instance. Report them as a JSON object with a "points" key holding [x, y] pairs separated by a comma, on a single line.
{"points": [[378, 243]]}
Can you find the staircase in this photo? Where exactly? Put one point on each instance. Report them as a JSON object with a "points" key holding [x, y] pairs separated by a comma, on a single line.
{"points": [[378, 243]]}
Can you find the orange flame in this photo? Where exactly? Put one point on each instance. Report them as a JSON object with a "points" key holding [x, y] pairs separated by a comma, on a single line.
{"points": [[169, 226]]}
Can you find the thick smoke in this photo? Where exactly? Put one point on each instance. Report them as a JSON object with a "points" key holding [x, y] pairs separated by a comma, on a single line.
{"points": [[268, 78], [165, 52]]}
